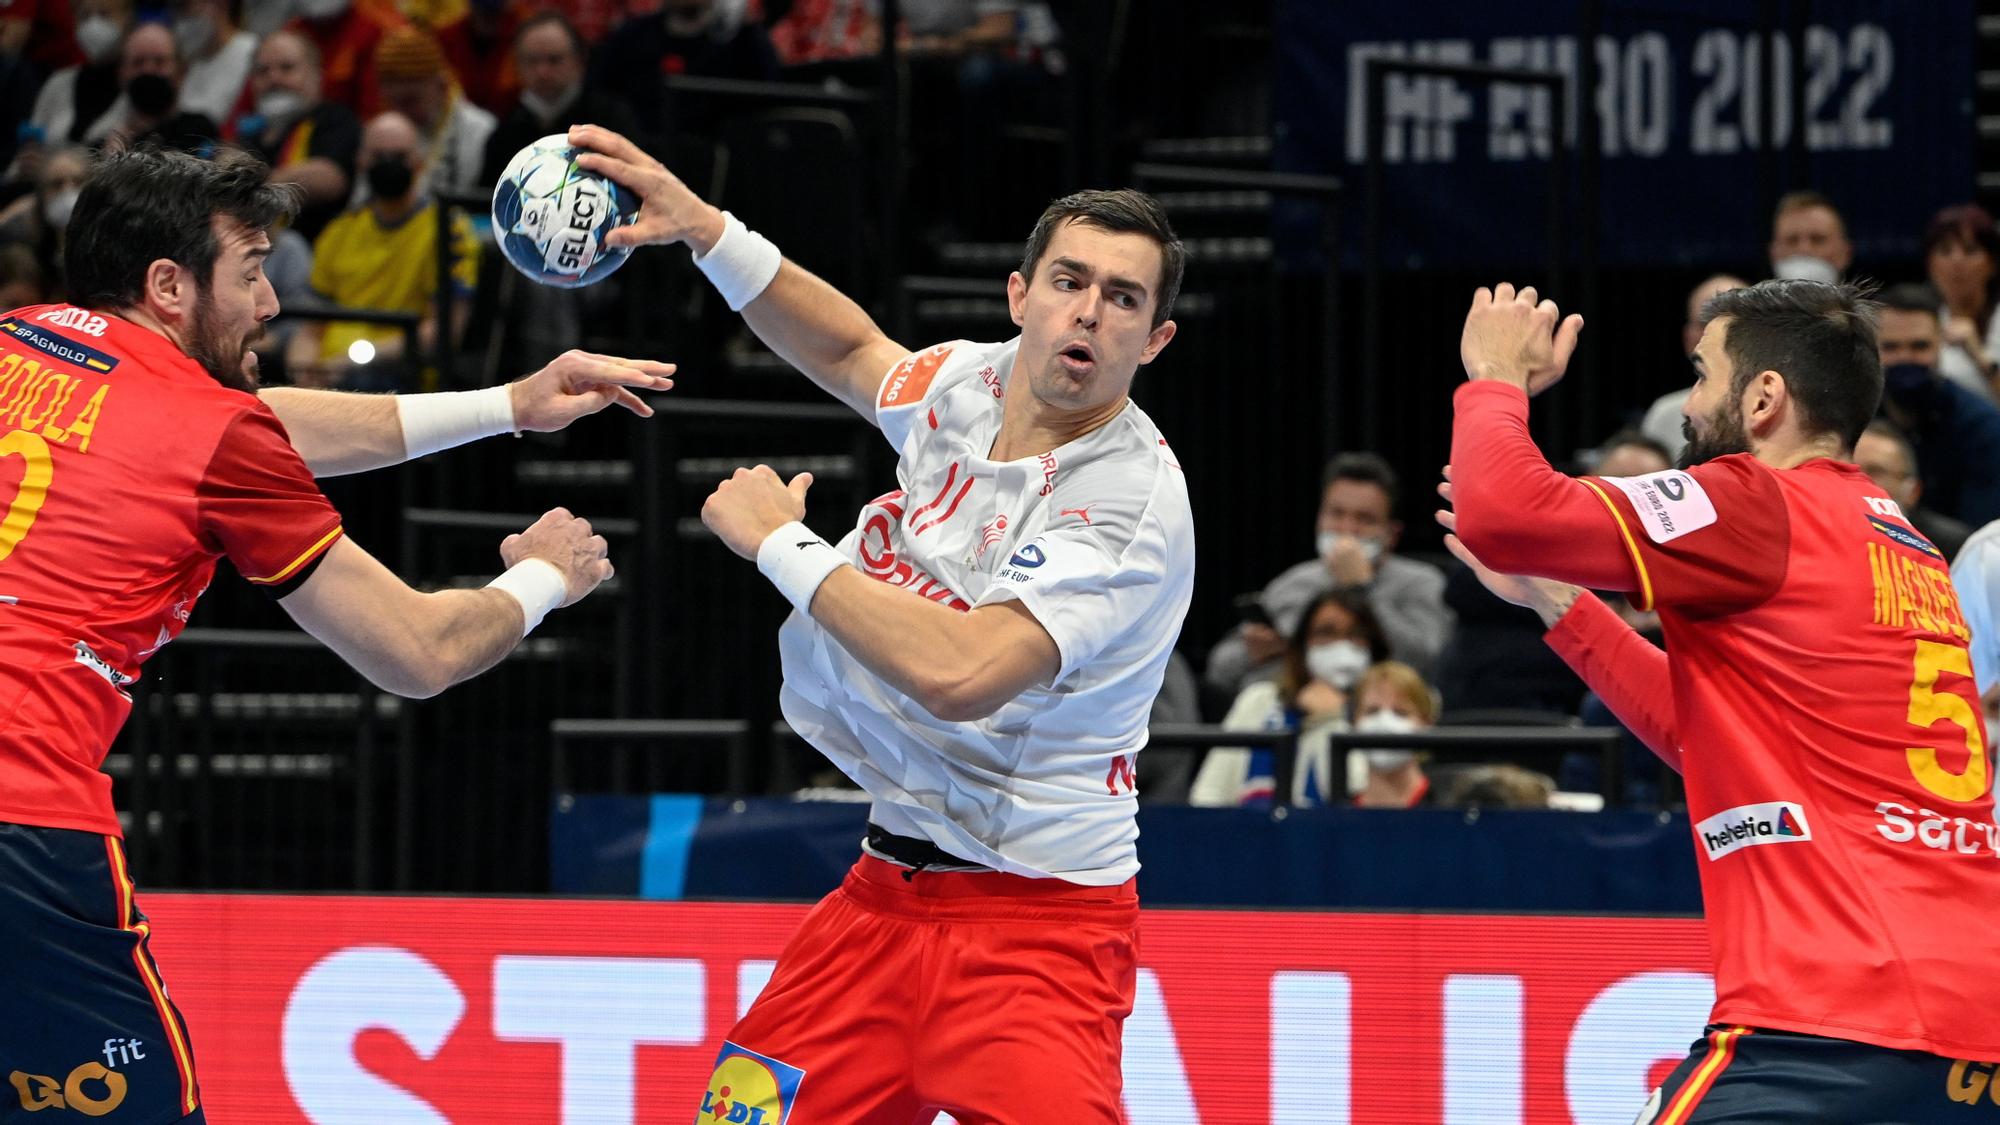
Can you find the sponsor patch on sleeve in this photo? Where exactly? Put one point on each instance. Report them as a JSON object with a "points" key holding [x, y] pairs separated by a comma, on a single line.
{"points": [[1904, 537], [1669, 504], [60, 346], [909, 379]]}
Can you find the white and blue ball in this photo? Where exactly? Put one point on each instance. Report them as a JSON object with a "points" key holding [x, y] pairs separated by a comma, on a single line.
{"points": [[551, 216]]}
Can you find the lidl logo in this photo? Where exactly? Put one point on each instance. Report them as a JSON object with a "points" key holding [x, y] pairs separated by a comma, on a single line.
{"points": [[1775, 822], [748, 1089]]}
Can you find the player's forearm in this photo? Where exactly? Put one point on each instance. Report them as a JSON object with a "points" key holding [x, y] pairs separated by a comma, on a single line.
{"points": [[338, 432], [819, 330], [1517, 513], [1626, 670], [916, 646]]}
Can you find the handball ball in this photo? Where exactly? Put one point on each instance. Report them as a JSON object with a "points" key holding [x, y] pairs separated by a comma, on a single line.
{"points": [[551, 216]]}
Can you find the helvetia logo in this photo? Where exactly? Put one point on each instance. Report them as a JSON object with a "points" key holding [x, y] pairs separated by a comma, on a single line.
{"points": [[1775, 822]]}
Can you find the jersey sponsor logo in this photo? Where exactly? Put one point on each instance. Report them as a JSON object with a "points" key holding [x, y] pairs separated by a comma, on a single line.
{"points": [[82, 320], [62, 347], [1745, 826], [1670, 504], [1048, 462], [909, 379], [991, 378], [1902, 824], [1968, 1080], [876, 552], [747, 1088], [1028, 557], [92, 1089], [88, 657], [1904, 536], [1082, 513], [1884, 506]]}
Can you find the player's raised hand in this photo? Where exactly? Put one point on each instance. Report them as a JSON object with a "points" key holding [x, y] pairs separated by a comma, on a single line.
{"points": [[751, 504], [578, 383], [669, 210], [565, 542], [1516, 337]]}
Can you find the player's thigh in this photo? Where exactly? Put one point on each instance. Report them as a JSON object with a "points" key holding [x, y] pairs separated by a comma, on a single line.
{"points": [[88, 1028], [1736, 1077], [828, 1039], [1031, 1024]]}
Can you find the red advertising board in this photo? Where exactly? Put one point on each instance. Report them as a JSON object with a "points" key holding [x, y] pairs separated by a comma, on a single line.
{"points": [[348, 1009]]}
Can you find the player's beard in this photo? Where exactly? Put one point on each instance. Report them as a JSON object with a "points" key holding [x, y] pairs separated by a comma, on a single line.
{"points": [[1726, 435], [219, 351]]}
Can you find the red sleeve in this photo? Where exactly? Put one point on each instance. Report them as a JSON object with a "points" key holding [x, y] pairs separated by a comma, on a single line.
{"points": [[260, 506], [1625, 670], [1717, 537]]}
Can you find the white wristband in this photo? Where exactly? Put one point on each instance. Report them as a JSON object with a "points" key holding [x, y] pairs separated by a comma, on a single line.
{"points": [[440, 421], [537, 585], [740, 264], [797, 560]]}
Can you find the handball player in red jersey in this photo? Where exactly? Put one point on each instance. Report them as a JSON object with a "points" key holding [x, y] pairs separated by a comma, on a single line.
{"points": [[134, 454], [1815, 693]]}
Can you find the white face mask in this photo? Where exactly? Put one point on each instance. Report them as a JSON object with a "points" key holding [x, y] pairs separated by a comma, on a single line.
{"points": [[56, 208], [276, 106], [1387, 722], [1805, 267], [1339, 663], [97, 36], [547, 109], [1371, 548]]}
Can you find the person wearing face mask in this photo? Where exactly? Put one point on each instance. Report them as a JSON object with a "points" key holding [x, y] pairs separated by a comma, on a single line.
{"points": [[76, 96], [217, 54], [307, 140], [381, 255], [1355, 534], [698, 38], [1809, 239], [1391, 699], [550, 56], [1962, 260], [148, 112], [348, 36], [414, 80], [1955, 432], [40, 219], [1335, 641]]}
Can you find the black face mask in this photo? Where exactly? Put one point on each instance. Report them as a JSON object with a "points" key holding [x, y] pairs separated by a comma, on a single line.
{"points": [[390, 178], [151, 94]]}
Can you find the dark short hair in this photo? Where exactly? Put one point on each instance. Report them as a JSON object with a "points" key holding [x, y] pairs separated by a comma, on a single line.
{"points": [[140, 206], [1637, 438], [1820, 336], [1122, 211], [1367, 468], [1805, 201], [1293, 675], [1912, 296], [549, 16], [1889, 431]]}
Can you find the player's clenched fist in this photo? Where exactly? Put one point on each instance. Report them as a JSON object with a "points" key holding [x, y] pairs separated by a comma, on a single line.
{"points": [[669, 211], [565, 542], [753, 503], [1515, 337]]}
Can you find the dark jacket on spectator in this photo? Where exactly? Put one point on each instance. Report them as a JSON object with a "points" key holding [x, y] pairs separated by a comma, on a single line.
{"points": [[634, 61]]}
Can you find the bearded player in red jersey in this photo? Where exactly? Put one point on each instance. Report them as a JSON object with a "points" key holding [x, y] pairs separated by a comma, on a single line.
{"points": [[134, 454], [1816, 694]]}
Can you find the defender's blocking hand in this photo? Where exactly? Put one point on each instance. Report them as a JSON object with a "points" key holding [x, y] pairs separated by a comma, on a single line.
{"points": [[1517, 338], [577, 383]]}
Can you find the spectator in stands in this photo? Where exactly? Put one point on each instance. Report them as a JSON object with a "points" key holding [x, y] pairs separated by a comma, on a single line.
{"points": [[1663, 418], [217, 54], [1165, 777], [1335, 640], [480, 46], [1630, 453], [1498, 787], [1886, 456], [1809, 238], [1356, 535], [75, 97], [699, 38], [22, 281], [1955, 432], [818, 31], [1393, 699], [550, 57], [347, 35], [1976, 578], [148, 112], [1962, 257], [416, 82], [306, 139], [38, 220], [381, 255]]}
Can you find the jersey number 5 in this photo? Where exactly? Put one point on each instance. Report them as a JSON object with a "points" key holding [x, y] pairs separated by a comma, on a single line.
{"points": [[1929, 706], [36, 470]]}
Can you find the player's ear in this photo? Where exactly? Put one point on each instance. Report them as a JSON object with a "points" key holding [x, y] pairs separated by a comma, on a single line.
{"points": [[1017, 298], [1157, 341], [169, 288], [1764, 399]]}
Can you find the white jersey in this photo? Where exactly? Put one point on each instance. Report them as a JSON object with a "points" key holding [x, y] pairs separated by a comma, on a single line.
{"points": [[1975, 574], [1095, 538]]}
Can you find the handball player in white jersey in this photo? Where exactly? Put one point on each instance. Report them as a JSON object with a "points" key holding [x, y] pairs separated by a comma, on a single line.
{"points": [[980, 654]]}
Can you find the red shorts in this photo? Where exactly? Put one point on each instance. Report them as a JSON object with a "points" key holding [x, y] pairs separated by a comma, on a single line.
{"points": [[996, 998]]}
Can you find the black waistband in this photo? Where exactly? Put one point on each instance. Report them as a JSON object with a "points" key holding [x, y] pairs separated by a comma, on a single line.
{"points": [[912, 852]]}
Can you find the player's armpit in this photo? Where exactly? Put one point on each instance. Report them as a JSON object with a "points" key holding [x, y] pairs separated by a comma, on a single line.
{"points": [[407, 642]]}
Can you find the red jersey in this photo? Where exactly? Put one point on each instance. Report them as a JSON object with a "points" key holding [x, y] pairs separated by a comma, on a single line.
{"points": [[126, 471], [1829, 731]]}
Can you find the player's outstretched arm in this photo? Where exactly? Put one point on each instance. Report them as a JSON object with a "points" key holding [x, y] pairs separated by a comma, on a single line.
{"points": [[337, 432], [958, 666], [417, 644], [810, 324]]}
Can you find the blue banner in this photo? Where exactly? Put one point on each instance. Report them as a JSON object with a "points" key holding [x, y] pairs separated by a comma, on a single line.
{"points": [[1883, 105]]}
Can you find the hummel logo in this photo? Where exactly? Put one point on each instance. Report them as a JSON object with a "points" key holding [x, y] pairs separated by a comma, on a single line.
{"points": [[1082, 513]]}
